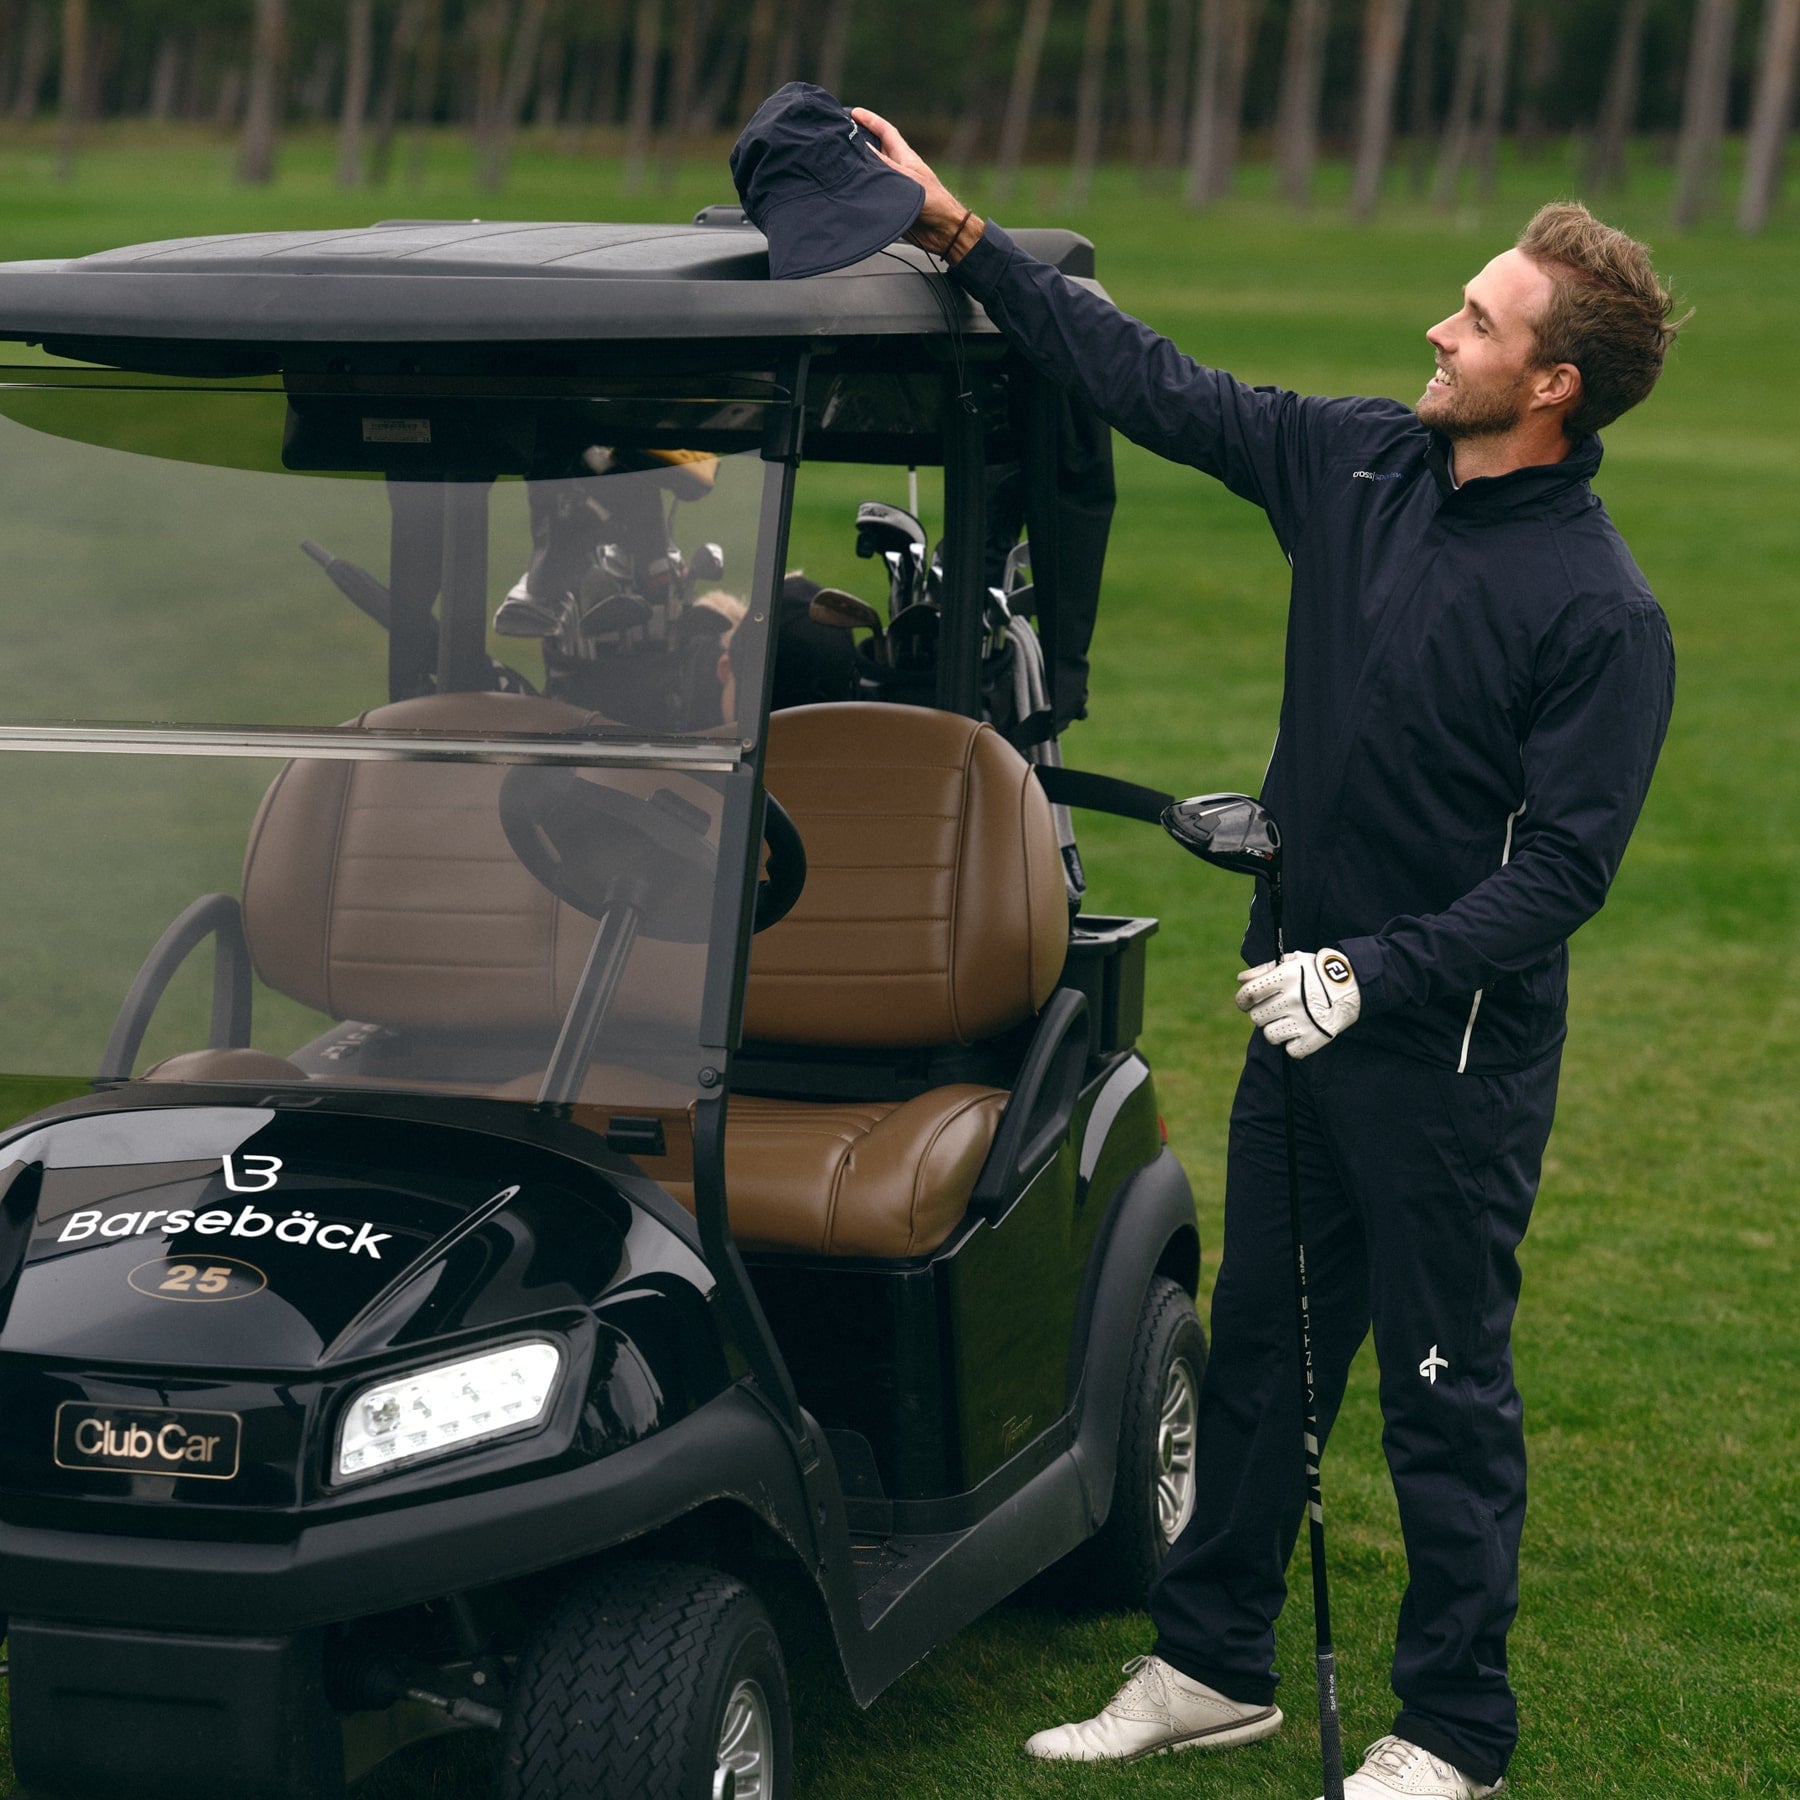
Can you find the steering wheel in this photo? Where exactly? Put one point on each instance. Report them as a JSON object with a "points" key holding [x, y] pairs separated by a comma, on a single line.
{"points": [[780, 888], [596, 848]]}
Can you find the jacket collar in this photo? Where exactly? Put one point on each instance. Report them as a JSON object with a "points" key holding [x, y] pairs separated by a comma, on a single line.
{"points": [[1541, 487]]}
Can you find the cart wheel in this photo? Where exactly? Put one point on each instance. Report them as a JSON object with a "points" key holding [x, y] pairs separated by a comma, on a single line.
{"points": [[1156, 1478], [652, 1681]]}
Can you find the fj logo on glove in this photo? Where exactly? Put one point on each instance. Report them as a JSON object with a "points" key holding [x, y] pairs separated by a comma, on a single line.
{"points": [[1335, 968]]}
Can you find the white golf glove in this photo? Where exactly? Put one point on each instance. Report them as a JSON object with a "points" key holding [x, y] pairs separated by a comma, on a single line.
{"points": [[1303, 1001]]}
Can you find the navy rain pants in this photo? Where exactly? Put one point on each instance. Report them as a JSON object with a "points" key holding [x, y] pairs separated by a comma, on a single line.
{"points": [[1416, 1187]]}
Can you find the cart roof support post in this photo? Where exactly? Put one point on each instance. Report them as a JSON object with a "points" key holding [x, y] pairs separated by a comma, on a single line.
{"points": [[965, 543]]}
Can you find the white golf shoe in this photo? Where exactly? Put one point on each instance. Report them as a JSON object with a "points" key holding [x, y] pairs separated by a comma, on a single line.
{"points": [[1157, 1710], [1393, 1766]]}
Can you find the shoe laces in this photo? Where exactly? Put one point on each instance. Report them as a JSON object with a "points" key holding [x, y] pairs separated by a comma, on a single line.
{"points": [[1142, 1676], [1397, 1756]]}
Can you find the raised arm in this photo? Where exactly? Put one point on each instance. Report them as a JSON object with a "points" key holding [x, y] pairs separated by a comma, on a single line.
{"points": [[1263, 443]]}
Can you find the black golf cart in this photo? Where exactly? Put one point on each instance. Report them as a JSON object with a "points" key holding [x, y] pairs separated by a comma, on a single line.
{"points": [[488, 1185]]}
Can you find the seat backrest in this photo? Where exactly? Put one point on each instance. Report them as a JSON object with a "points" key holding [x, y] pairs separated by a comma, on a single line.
{"points": [[934, 911], [387, 891]]}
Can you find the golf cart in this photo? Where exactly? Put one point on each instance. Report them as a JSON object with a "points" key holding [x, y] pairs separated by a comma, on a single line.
{"points": [[489, 1185]]}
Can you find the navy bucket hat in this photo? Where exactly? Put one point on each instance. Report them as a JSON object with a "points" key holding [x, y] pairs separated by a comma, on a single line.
{"points": [[815, 187]]}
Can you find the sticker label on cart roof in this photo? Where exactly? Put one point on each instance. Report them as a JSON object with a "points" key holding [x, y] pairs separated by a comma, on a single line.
{"points": [[396, 431], [299, 1227], [144, 1440]]}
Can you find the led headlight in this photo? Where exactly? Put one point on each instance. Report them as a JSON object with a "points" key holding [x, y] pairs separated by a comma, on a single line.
{"points": [[457, 1403]]}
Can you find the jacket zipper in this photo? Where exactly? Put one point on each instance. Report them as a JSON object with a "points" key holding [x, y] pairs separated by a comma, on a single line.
{"points": [[1462, 1064]]}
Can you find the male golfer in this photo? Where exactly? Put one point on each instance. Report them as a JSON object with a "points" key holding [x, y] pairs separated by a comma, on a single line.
{"points": [[1478, 682]]}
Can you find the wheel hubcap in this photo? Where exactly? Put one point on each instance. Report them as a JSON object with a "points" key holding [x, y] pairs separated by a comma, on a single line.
{"points": [[743, 1768], [1175, 1484]]}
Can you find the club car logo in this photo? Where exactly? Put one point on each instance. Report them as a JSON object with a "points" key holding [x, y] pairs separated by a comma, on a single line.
{"points": [[147, 1441], [249, 1175]]}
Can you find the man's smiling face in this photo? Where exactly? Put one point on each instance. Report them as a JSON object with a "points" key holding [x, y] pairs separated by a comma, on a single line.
{"points": [[1487, 356]]}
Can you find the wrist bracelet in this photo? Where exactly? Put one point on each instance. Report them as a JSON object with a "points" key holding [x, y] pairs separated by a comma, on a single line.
{"points": [[968, 214]]}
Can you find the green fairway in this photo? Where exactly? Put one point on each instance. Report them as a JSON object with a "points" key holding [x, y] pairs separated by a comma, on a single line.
{"points": [[1658, 1340]]}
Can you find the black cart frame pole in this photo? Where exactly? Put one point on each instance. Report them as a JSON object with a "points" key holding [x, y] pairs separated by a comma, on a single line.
{"points": [[1331, 1740]]}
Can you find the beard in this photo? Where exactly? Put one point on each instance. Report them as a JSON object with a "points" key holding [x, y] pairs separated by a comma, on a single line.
{"points": [[1466, 412]]}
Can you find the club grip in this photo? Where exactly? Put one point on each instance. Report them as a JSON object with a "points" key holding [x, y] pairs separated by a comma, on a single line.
{"points": [[1331, 1742]]}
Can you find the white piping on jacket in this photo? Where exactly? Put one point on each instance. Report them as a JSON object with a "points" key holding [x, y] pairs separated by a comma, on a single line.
{"points": [[1475, 1006]]}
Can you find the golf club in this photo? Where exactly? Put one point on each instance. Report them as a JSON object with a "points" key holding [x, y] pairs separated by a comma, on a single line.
{"points": [[1232, 831], [832, 606], [897, 537]]}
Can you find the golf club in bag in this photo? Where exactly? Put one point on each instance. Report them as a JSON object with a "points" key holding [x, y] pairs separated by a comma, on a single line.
{"points": [[1232, 831]]}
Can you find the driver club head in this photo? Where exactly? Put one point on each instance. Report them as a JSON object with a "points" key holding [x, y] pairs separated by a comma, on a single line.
{"points": [[1230, 831]]}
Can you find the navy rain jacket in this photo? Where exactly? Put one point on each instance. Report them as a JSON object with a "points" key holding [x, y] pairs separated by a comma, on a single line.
{"points": [[1478, 678]]}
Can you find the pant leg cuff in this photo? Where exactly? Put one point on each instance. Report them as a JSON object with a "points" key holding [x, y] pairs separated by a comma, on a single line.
{"points": [[1245, 1690], [1430, 1734]]}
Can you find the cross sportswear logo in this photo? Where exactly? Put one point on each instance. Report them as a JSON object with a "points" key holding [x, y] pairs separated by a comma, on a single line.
{"points": [[1430, 1366], [1370, 475]]}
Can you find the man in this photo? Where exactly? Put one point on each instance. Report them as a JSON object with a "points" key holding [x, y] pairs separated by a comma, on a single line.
{"points": [[1478, 683]]}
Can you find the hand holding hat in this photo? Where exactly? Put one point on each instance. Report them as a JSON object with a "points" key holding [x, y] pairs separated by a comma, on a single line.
{"points": [[944, 226]]}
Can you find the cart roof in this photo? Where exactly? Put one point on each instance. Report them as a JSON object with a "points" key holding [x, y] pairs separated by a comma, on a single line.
{"points": [[445, 282]]}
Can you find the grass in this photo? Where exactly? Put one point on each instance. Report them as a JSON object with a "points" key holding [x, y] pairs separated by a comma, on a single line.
{"points": [[1657, 1340]]}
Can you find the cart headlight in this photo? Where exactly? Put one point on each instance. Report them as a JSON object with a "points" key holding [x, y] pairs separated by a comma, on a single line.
{"points": [[457, 1403]]}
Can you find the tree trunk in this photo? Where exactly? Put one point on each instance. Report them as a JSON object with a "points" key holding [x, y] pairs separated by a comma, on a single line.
{"points": [[359, 57], [9, 42], [1703, 110], [754, 89], [1203, 119], [268, 84], [693, 24], [784, 62], [1297, 114], [1090, 96], [509, 103], [72, 86], [1496, 63], [488, 27], [403, 44], [228, 108], [646, 48], [546, 103], [834, 47], [1140, 96], [1771, 114], [1542, 50], [965, 140], [1178, 57], [1459, 125], [422, 107], [1020, 98], [34, 59], [1383, 38], [1422, 102], [1619, 105], [165, 80]]}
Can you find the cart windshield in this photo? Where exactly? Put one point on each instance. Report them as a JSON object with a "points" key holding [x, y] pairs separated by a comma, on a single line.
{"points": [[346, 750]]}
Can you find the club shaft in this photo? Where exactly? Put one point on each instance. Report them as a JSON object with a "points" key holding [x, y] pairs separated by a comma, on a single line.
{"points": [[1331, 1743]]}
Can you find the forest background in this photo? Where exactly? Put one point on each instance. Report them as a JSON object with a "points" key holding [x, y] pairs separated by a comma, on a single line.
{"points": [[1184, 88]]}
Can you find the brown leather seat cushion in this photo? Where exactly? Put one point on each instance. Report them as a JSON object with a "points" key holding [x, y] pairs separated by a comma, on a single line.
{"points": [[225, 1065], [854, 1178], [934, 910]]}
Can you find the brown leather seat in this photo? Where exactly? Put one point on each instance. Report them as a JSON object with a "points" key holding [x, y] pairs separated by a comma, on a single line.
{"points": [[933, 914], [386, 892]]}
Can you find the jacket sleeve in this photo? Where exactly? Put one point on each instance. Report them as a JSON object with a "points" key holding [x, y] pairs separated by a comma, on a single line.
{"points": [[1261, 442], [1589, 751]]}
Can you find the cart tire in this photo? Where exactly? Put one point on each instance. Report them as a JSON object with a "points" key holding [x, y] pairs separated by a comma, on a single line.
{"points": [[1153, 1483], [644, 1683]]}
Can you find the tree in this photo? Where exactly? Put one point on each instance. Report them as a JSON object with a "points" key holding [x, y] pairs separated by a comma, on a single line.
{"points": [[1089, 95], [646, 46], [1771, 112], [834, 48], [965, 140], [1703, 110], [359, 57], [72, 85], [1383, 38], [1619, 104], [1227, 32], [1422, 106], [693, 23], [1140, 100], [1297, 114], [1496, 61], [508, 104], [268, 83], [34, 59], [758, 53], [1020, 96], [1177, 57]]}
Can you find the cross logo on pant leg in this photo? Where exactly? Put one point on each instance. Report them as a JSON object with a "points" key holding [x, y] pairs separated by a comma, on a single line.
{"points": [[1430, 1366]]}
